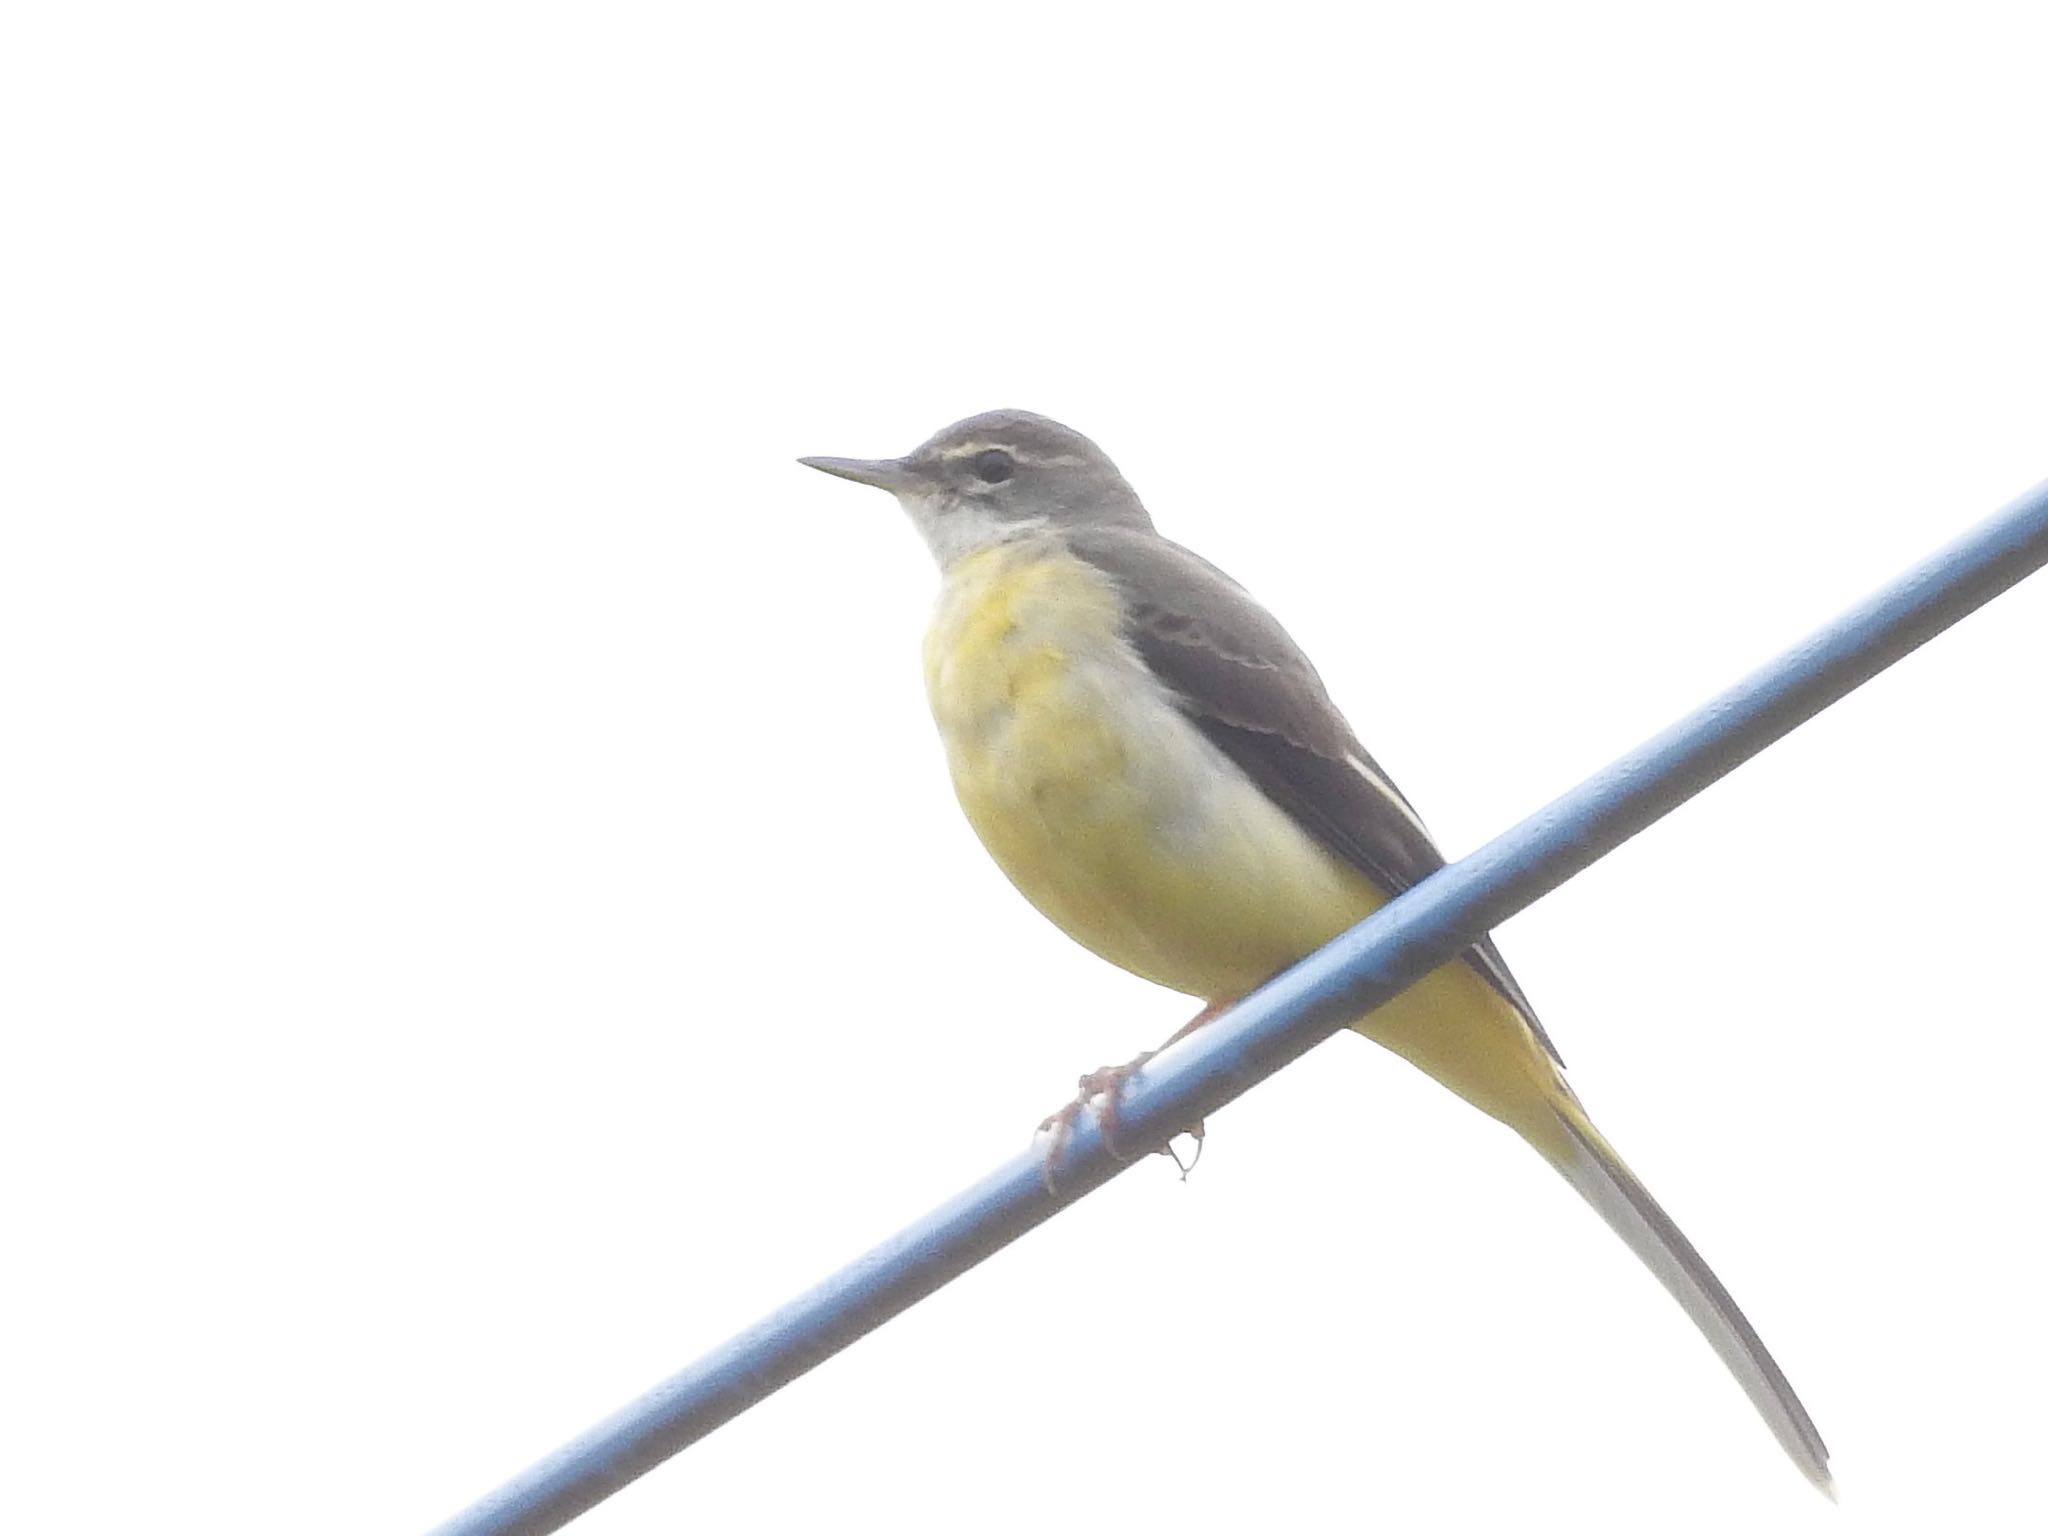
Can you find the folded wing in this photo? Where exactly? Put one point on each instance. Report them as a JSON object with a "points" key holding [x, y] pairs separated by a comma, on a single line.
{"points": [[1244, 682]]}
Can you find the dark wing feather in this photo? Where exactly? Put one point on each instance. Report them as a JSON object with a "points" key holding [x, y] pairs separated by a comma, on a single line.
{"points": [[1247, 686]]}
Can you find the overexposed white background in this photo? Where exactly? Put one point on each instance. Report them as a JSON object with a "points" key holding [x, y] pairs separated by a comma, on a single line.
{"points": [[484, 918]]}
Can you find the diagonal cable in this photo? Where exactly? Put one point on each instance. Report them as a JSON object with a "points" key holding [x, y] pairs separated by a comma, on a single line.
{"points": [[1395, 947]]}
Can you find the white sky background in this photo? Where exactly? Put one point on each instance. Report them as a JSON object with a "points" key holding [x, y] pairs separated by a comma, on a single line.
{"points": [[484, 915]]}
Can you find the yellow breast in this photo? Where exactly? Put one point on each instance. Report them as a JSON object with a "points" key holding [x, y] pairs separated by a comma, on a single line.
{"points": [[1105, 806], [1122, 823]]}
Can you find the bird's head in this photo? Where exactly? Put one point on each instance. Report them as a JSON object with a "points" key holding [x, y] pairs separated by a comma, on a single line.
{"points": [[995, 477]]}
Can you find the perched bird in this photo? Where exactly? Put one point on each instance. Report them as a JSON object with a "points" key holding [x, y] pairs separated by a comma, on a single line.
{"points": [[1158, 768]]}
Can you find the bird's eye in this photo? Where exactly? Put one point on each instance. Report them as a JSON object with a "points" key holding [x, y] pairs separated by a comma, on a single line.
{"points": [[992, 466]]}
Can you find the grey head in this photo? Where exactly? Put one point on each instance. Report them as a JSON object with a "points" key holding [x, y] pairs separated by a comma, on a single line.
{"points": [[996, 477]]}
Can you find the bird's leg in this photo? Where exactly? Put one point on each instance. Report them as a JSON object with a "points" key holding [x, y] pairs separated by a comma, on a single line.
{"points": [[1197, 1021], [1107, 1083]]}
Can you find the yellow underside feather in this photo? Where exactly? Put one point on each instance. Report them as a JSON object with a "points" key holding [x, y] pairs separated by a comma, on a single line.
{"points": [[1123, 824]]}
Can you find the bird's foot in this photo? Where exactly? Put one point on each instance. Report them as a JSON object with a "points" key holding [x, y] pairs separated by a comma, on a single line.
{"points": [[1104, 1083], [1107, 1085]]}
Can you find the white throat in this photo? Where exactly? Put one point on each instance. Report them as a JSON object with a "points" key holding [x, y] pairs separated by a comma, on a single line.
{"points": [[954, 527]]}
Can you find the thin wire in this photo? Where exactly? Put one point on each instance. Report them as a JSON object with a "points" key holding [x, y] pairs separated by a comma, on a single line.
{"points": [[1395, 947]]}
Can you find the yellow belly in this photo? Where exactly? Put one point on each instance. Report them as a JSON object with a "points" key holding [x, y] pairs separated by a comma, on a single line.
{"points": [[1119, 820]]}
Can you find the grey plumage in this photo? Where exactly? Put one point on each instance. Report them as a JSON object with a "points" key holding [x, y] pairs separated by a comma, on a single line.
{"points": [[1245, 683]]}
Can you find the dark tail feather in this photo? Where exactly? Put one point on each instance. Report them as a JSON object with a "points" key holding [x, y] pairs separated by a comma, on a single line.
{"points": [[1597, 1173]]}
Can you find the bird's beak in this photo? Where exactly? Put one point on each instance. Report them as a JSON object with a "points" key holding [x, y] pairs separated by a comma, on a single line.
{"points": [[892, 475]]}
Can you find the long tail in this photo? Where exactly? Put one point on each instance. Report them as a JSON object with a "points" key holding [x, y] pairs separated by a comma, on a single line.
{"points": [[1595, 1170]]}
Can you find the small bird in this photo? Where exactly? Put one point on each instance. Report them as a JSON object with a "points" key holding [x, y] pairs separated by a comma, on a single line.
{"points": [[1158, 768]]}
